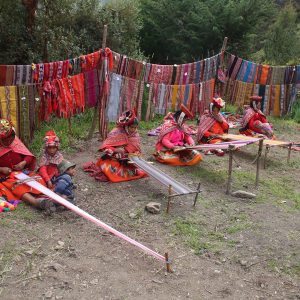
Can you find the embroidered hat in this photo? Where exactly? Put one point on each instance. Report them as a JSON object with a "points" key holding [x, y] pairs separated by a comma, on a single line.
{"points": [[255, 98], [64, 166], [6, 128], [218, 102], [128, 118], [51, 139], [186, 111]]}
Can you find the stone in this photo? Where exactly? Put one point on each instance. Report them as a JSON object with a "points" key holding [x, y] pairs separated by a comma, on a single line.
{"points": [[243, 194], [48, 295], [153, 207]]}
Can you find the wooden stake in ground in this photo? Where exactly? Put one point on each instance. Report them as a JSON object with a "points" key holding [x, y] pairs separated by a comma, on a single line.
{"points": [[266, 154], [168, 264], [229, 180], [289, 152], [95, 116], [197, 193], [260, 148], [169, 198]]}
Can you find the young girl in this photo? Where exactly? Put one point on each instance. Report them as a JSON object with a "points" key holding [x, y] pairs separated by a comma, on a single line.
{"points": [[50, 159]]}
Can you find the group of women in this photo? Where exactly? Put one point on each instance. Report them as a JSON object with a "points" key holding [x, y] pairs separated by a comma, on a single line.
{"points": [[174, 147]]}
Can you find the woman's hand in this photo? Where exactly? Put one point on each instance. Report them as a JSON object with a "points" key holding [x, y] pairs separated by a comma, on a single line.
{"points": [[20, 166], [49, 184], [5, 170]]}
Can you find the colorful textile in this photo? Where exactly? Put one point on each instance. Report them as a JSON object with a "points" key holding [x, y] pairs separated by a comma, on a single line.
{"points": [[118, 171], [207, 123], [182, 158], [47, 159], [160, 74], [70, 96], [119, 137]]}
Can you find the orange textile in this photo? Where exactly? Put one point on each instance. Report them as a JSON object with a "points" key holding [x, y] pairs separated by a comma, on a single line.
{"points": [[117, 171], [182, 158], [264, 74], [14, 191]]}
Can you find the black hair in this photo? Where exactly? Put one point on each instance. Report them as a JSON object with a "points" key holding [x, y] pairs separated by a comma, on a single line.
{"points": [[177, 114]]}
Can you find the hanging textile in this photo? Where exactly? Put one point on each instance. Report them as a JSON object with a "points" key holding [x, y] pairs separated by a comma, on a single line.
{"points": [[28, 96], [206, 93], [70, 96], [131, 95], [247, 72], [160, 74], [91, 87], [134, 69], [23, 75], [276, 101], [74, 66], [266, 107], [113, 106], [233, 67], [242, 93], [7, 75], [9, 105]]}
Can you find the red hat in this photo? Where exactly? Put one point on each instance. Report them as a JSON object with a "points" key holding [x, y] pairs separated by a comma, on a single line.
{"points": [[256, 98], [128, 118], [6, 128], [218, 102], [186, 111], [51, 139]]}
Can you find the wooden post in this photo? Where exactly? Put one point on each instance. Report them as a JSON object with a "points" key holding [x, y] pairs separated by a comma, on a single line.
{"points": [[169, 198], [168, 264], [94, 121], [289, 152], [229, 181], [224, 45], [266, 154], [198, 191], [261, 143]]}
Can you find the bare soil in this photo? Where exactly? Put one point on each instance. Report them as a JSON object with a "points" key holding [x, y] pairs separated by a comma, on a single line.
{"points": [[244, 249]]}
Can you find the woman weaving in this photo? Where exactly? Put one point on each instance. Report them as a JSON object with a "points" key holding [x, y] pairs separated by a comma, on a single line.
{"points": [[15, 157], [124, 139]]}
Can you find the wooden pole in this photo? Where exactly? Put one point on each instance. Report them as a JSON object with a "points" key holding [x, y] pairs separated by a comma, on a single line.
{"points": [[169, 198], [260, 147], [229, 181], [266, 154], [95, 115], [198, 191], [289, 152], [168, 264]]}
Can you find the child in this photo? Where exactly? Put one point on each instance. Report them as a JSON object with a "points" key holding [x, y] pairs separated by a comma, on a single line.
{"points": [[50, 159], [63, 183]]}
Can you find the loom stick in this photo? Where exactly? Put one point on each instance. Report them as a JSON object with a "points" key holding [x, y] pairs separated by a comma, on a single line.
{"points": [[229, 181], [36, 185], [260, 147], [94, 121]]}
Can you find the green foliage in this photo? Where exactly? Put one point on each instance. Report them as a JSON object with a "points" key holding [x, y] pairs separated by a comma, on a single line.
{"points": [[282, 45], [295, 114]]}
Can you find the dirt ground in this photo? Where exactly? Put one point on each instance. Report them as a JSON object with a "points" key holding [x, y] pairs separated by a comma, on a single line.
{"points": [[224, 248]]}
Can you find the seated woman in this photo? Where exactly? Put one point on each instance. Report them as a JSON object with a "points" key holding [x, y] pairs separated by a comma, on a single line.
{"points": [[211, 124], [14, 156], [173, 136], [124, 139], [254, 121]]}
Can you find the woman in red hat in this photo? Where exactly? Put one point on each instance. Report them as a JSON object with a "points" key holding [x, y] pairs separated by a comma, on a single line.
{"points": [[173, 136], [254, 120], [212, 123], [15, 157], [124, 139]]}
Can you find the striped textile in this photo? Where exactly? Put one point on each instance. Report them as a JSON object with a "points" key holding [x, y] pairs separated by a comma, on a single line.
{"points": [[7, 75], [23, 75], [91, 87]]}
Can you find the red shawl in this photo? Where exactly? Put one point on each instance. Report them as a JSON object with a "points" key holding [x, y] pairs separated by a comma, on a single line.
{"points": [[119, 137], [207, 120], [169, 125], [18, 147]]}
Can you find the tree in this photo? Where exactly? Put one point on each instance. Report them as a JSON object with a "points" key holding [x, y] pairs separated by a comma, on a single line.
{"points": [[283, 44]]}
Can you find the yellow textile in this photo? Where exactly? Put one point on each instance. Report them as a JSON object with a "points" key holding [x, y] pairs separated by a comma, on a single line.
{"points": [[174, 96], [9, 105], [276, 109]]}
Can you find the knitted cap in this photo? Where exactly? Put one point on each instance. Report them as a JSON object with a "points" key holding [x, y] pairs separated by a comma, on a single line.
{"points": [[51, 139], [128, 118], [6, 128], [64, 166]]}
